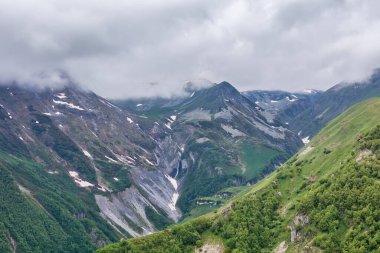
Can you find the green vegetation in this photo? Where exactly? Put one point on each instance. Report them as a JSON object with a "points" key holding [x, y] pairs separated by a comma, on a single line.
{"points": [[51, 136], [257, 156], [159, 218], [344, 209], [222, 197], [223, 163], [159, 113], [49, 213], [214, 170], [335, 194], [115, 174]]}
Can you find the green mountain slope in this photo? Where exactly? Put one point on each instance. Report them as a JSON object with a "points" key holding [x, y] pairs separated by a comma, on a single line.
{"points": [[42, 212], [325, 198]]}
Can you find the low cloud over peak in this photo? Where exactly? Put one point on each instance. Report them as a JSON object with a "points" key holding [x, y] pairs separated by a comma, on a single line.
{"points": [[149, 48]]}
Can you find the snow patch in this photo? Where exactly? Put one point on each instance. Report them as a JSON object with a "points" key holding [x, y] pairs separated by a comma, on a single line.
{"points": [[306, 140], [82, 183], [174, 201], [110, 159], [175, 194], [129, 120], [61, 95], [70, 105], [291, 99], [86, 153], [171, 119], [172, 181], [102, 189]]}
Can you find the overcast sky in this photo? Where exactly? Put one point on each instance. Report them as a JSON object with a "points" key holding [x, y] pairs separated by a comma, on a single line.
{"points": [[152, 47]]}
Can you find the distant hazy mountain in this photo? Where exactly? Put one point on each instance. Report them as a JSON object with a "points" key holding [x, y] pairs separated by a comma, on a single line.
{"points": [[283, 105], [330, 104], [305, 113]]}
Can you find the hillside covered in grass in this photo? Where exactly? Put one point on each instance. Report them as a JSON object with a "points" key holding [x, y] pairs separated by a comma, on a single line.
{"points": [[40, 212], [325, 198]]}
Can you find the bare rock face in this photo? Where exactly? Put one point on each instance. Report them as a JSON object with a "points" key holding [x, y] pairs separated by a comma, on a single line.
{"points": [[296, 228], [281, 248], [363, 155], [13, 244], [210, 248], [227, 210]]}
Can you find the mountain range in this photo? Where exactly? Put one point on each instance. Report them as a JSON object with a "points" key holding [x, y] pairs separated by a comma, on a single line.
{"points": [[79, 171], [323, 199]]}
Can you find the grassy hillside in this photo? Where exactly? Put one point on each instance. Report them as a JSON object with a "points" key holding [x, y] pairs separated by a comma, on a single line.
{"points": [[325, 198], [42, 212]]}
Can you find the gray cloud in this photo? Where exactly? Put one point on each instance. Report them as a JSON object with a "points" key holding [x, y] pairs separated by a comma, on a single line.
{"points": [[144, 48]]}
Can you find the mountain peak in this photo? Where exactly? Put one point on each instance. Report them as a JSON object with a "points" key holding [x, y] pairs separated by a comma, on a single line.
{"points": [[225, 85], [225, 88]]}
